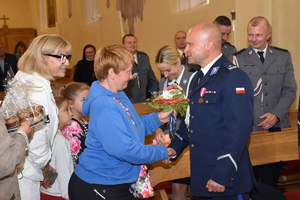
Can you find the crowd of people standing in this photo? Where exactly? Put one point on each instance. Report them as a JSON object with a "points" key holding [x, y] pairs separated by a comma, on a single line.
{"points": [[247, 90]]}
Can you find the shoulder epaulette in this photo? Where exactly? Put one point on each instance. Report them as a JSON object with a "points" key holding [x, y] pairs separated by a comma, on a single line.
{"points": [[228, 65], [230, 44], [240, 51], [285, 50]]}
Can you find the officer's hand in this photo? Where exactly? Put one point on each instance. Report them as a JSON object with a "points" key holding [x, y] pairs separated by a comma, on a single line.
{"points": [[212, 186], [270, 120], [159, 136]]}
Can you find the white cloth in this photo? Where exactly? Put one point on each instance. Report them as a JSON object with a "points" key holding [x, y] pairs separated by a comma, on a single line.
{"points": [[135, 58], [39, 149], [62, 162], [187, 115], [29, 189]]}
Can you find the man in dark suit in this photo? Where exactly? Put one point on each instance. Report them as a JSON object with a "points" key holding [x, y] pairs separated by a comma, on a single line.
{"points": [[180, 44], [273, 80], [8, 63], [224, 25], [144, 81], [218, 123]]}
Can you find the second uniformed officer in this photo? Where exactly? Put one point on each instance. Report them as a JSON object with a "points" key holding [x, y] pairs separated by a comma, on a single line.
{"points": [[224, 25], [272, 74]]}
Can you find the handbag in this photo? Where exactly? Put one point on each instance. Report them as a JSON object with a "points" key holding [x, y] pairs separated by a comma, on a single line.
{"points": [[142, 188]]}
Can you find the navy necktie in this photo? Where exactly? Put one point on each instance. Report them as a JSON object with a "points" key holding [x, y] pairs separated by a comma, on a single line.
{"points": [[261, 56], [198, 79]]}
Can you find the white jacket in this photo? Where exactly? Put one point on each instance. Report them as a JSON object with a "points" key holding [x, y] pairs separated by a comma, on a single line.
{"points": [[62, 161], [39, 149]]}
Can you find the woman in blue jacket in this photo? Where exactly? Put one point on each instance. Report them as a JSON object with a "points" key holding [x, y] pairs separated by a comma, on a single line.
{"points": [[115, 140]]}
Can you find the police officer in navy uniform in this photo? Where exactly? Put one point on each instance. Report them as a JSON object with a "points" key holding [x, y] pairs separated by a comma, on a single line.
{"points": [[218, 123], [224, 25], [272, 74]]}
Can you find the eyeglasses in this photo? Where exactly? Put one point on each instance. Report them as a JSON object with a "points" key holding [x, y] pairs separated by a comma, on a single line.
{"points": [[63, 58]]}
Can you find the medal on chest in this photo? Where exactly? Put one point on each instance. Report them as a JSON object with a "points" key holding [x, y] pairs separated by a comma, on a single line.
{"points": [[202, 93]]}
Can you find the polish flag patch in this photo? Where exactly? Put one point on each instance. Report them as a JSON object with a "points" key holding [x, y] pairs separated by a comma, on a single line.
{"points": [[240, 90]]}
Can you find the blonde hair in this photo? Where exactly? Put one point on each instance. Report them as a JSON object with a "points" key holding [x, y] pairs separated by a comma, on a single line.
{"points": [[33, 58], [113, 56], [72, 90], [167, 54]]}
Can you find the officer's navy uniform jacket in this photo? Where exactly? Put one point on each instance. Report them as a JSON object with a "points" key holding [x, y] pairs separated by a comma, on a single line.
{"points": [[219, 129]]}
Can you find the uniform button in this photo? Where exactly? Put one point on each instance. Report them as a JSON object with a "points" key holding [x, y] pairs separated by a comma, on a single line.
{"points": [[266, 94], [265, 73], [192, 145], [265, 83], [192, 102], [104, 191], [266, 104], [191, 131], [232, 179], [192, 116], [206, 101]]}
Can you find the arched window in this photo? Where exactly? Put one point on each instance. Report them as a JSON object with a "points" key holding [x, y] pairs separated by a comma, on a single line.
{"points": [[189, 4]]}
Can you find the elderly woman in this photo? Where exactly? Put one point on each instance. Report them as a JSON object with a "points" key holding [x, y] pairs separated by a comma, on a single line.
{"points": [[46, 58], [115, 141], [169, 63]]}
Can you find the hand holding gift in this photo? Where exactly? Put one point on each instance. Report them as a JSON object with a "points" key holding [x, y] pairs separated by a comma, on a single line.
{"points": [[17, 107], [173, 98]]}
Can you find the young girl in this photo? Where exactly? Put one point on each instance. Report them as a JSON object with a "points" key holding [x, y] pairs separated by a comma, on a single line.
{"points": [[61, 159], [76, 132]]}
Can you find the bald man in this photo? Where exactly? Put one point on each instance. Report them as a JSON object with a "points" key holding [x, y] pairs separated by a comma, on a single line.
{"points": [[272, 76], [218, 123], [224, 25], [179, 40], [7, 61]]}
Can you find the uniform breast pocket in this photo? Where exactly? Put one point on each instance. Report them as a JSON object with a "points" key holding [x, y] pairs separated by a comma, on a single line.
{"points": [[276, 75], [251, 70], [204, 106], [210, 98]]}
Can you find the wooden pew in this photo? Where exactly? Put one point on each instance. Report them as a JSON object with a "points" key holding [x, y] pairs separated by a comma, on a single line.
{"points": [[264, 147]]}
